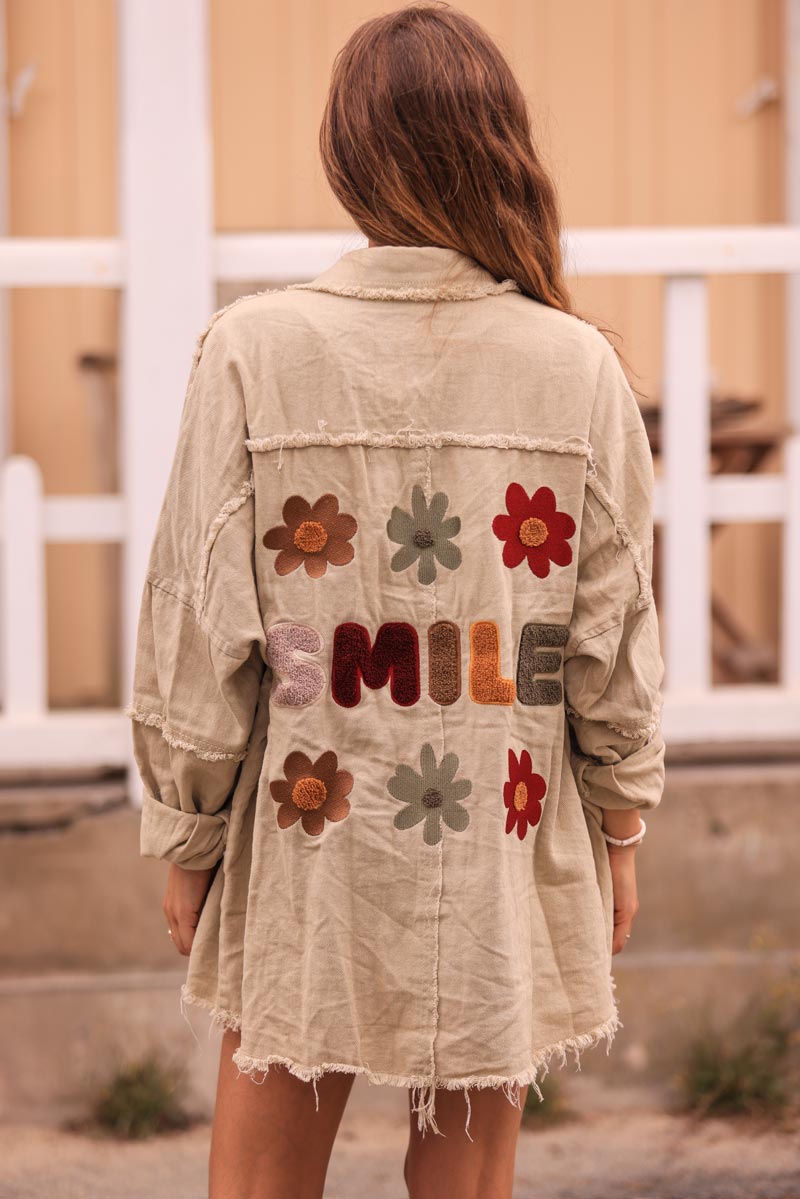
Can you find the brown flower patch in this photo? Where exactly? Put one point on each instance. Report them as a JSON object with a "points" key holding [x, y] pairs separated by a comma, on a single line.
{"points": [[313, 535], [312, 791]]}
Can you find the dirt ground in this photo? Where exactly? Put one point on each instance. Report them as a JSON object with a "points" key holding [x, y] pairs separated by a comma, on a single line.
{"points": [[624, 1155]]}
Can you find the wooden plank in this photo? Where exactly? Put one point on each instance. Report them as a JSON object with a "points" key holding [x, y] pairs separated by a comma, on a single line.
{"points": [[745, 499], [88, 737], [707, 250], [23, 629], [732, 713], [61, 262], [90, 518], [692, 250], [167, 221], [686, 566]]}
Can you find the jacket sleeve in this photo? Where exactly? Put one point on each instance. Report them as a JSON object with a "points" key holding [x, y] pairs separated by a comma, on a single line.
{"points": [[613, 669], [200, 649]]}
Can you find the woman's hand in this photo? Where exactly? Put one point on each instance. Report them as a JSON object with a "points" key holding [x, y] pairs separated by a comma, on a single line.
{"points": [[626, 901], [183, 902]]}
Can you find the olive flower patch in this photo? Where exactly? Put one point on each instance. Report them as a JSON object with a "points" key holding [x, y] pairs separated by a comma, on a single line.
{"points": [[312, 791], [522, 793], [534, 529], [424, 535], [313, 535], [433, 795]]}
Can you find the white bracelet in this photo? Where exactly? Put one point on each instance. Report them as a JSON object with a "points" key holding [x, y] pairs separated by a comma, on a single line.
{"points": [[634, 840]]}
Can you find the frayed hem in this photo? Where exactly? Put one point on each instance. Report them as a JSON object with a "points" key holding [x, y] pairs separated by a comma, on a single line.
{"points": [[156, 720], [409, 438], [423, 1088], [632, 732], [221, 1016]]}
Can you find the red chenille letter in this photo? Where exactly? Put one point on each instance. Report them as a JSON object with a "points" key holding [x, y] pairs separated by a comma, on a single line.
{"points": [[393, 659]]}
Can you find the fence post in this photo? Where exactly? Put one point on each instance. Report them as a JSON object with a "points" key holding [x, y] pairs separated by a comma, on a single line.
{"points": [[686, 424], [23, 590], [167, 225]]}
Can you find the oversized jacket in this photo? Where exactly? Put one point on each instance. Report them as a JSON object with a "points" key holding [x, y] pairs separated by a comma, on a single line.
{"points": [[397, 651]]}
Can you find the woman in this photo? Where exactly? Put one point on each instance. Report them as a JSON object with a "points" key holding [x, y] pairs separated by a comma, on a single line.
{"points": [[396, 699]]}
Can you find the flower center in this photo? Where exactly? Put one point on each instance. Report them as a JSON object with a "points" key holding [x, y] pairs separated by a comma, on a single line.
{"points": [[533, 531], [309, 793], [423, 539], [432, 798], [520, 796], [310, 536]]}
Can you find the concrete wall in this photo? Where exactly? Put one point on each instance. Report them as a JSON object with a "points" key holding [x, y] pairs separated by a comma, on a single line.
{"points": [[88, 976]]}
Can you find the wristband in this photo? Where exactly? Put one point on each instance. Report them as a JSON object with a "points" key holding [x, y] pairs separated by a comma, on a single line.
{"points": [[634, 840]]}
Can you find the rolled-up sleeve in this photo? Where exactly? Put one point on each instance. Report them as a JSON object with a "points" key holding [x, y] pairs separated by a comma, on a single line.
{"points": [[613, 668], [200, 649]]}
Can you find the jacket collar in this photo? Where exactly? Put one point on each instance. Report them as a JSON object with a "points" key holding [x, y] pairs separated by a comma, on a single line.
{"points": [[420, 273]]}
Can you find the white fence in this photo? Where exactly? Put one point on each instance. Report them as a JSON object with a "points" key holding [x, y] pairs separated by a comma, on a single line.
{"points": [[167, 261]]}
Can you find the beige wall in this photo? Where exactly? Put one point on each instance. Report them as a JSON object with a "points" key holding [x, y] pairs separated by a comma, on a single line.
{"points": [[634, 107]]}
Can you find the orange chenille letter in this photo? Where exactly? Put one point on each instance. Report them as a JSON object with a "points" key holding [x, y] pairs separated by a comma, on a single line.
{"points": [[486, 684]]}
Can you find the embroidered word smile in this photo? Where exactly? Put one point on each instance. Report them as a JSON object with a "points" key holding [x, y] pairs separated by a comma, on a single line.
{"points": [[393, 660]]}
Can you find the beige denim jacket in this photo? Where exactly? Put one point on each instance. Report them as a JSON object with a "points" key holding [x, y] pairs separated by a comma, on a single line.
{"points": [[397, 650]]}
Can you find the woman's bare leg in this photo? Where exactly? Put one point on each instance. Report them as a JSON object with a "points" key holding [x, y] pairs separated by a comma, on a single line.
{"points": [[481, 1168], [268, 1141]]}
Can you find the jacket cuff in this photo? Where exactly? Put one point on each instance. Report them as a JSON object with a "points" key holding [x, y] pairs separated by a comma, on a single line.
{"points": [[635, 781], [193, 840]]}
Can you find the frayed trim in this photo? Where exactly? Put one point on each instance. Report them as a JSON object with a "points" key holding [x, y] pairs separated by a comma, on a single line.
{"points": [[419, 439], [219, 1015], [624, 535], [423, 1089], [226, 511], [635, 732], [207, 753], [445, 291]]}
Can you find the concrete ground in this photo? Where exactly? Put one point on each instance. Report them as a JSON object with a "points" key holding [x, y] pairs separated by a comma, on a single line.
{"points": [[627, 1153]]}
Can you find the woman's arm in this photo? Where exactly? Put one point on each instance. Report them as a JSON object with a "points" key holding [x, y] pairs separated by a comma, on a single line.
{"points": [[200, 651], [613, 669]]}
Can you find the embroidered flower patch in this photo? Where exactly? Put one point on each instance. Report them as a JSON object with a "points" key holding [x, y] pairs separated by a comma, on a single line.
{"points": [[522, 793], [433, 795], [424, 535], [534, 529], [312, 791], [312, 535]]}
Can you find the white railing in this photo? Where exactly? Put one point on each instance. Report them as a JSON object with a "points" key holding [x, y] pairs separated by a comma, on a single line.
{"points": [[688, 499], [31, 734], [166, 262]]}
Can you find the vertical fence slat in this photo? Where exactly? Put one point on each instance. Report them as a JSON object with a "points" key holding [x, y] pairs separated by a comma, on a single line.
{"points": [[22, 590], [686, 423], [167, 226]]}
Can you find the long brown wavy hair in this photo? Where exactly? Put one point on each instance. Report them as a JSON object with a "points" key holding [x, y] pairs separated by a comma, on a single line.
{"points": [[426, 140]]}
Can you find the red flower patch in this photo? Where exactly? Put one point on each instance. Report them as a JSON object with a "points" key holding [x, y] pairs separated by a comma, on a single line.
{"points": [[534, 529], [522, 793]]}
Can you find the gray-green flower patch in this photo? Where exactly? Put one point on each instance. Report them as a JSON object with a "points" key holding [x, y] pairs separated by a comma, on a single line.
{"points": [[432, 795], [425, 535]]}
